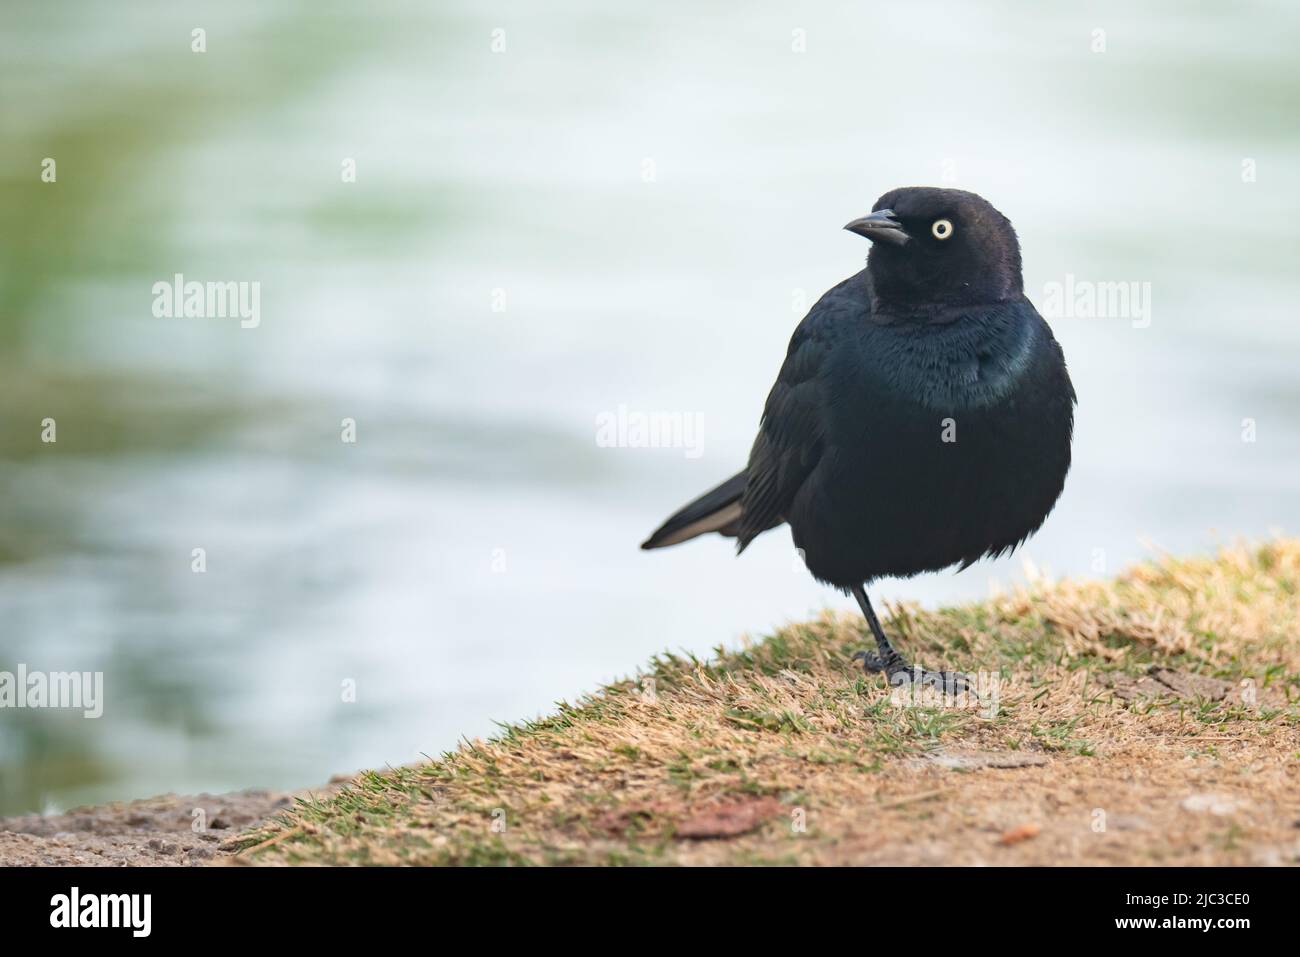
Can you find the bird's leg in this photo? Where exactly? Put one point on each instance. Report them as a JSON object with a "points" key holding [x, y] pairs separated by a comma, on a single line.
{"points": [[888, 659], [897, 668]]}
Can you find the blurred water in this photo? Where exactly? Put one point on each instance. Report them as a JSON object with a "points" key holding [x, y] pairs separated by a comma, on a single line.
{"points": [[472, 557]]}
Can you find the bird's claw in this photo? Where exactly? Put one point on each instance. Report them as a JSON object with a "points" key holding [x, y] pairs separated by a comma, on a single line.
{"points": [[900, 672], [946, 682]]}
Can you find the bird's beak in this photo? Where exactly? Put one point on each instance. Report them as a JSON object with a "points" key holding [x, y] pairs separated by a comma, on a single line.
{"points": [[880, 226]]}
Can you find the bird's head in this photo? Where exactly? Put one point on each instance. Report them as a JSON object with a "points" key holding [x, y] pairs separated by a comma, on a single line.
{"points": [[939, 247]]}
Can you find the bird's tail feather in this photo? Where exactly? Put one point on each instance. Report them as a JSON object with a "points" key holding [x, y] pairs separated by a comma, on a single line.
{"points": [[717, 510]]}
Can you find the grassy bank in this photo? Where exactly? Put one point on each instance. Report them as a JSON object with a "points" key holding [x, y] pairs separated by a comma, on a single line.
{"points": [[1154, 718]]}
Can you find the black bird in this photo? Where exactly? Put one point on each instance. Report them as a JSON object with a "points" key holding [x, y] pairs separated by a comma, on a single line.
{"points": [[922, 417]]}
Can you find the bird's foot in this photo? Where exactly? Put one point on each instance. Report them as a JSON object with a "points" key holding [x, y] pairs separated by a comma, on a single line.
{"points": [[901, 673], [875, 663]]}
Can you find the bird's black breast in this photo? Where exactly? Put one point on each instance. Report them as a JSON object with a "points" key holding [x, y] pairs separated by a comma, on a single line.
{"points": [[916, 446]]}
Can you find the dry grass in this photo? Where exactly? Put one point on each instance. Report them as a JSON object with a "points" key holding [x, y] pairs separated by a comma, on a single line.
{"points": [[1150, 719]]}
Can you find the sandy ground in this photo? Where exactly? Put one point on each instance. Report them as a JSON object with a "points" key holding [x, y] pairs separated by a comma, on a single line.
{"points": [[167, 831]]}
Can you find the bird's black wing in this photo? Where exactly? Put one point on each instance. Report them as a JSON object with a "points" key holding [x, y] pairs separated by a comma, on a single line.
{"points": [[790, 436]]}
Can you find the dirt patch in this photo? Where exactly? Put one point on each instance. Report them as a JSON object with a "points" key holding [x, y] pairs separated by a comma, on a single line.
{"points": [[974, 760], [730, 819], [1161, 682], [166, 831]]}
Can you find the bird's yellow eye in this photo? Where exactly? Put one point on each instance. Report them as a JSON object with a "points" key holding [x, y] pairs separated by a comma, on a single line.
{"points": [[941, 229]]}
